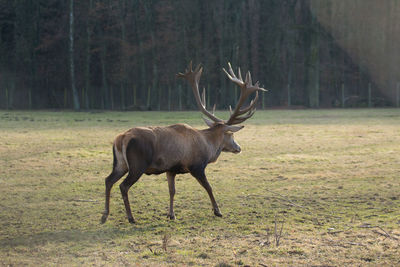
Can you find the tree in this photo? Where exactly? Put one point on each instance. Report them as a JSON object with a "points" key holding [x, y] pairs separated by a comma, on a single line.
{"points": [[71, 56]]}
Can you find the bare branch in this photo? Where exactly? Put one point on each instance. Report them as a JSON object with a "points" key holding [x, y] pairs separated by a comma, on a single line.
{"points": [[277, 234]]}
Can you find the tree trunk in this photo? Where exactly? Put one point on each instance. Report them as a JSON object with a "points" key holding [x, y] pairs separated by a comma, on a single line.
{"points": [[75, 95], [314, 66], [254, 7], [289, 94], [369, 95], [148, 104], [88, 56], [169, 97], [124, 74], [7, 103], [105, 102], [134, 96], [343, 95], [180, 97], [149, 11]]}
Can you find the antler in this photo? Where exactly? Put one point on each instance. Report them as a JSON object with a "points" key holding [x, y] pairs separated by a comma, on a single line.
{"points": [[246, 89], [193, 77]]}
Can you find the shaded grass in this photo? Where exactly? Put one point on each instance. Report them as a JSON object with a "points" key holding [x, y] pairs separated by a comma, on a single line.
{"points": [[330, 175]]}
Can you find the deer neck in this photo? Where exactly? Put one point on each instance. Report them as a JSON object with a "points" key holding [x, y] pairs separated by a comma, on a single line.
{"points": [[214, 138]]}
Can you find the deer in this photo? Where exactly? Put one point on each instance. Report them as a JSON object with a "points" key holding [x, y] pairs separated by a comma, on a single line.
{"points": [[180, 148]]}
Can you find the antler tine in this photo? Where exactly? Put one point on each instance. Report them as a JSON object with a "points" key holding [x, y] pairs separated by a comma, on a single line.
{"points": [[231, 70], [198, 68], [242, 119], [248, 81], [250, 107], [189, 68], [240, 74], [231, 75], [203, 96], [227, 74], [193, 77]]}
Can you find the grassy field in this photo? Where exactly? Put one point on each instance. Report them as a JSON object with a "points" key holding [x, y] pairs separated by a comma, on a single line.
{"points": [[329, 178]]}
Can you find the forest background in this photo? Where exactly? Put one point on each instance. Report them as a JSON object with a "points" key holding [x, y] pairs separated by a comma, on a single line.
{"points": [[123, 55]]}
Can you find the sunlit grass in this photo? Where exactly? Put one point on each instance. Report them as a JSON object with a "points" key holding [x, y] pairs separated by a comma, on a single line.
{"points": [[331, 175]]}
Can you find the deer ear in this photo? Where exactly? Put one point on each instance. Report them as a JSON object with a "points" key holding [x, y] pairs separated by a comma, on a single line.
{"points": [[232, 128], [208, 122]]}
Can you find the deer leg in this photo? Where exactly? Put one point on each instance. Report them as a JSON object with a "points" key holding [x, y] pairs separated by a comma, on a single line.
{"points": [[171, 186], [124, 187], [202, 179], [110, 181], [119, 170], [138, 158]]}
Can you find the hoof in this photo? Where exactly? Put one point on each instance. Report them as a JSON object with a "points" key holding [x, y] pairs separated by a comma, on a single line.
{"points": [[131, 220], [103, 218], [217, 213], [171, 217]]}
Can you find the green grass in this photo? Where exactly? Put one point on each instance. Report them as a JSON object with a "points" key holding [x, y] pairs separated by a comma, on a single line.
{"points": [[330, 176]]}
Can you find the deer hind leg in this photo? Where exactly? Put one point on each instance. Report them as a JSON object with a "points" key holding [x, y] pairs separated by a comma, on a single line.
{"points": [[119, 170], [171, 186], [200, 176], [138, 156], [132, 178]]}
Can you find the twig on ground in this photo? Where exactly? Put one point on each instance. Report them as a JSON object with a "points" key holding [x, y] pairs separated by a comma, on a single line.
{"points": [[335, 232], [155, 251], [385, 234], [357, 244], [344, 244], [84, 200], [286, 199]]}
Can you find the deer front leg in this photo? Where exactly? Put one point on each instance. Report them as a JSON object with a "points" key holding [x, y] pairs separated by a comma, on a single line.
{"points": [[171, 186], [202, 179]]}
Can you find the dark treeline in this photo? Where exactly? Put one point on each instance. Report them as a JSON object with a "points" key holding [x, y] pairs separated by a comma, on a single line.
{"points": [[125, 53]]}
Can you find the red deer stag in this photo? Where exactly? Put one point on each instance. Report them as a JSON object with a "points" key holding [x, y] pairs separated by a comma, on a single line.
{"points": [[179, 148]]}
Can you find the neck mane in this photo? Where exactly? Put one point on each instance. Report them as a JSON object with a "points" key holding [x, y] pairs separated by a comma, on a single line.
{"points": [[214, 137]]}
